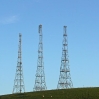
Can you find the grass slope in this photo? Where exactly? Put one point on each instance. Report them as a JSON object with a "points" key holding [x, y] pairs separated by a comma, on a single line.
{"points": [[74, 93]]}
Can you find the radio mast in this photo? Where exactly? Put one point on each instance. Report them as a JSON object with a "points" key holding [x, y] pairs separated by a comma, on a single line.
{"points": [[19, 80], [64, 78], [40, 84]]}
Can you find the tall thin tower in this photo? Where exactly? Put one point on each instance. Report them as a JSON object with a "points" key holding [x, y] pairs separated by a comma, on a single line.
{"points": [[19, 80], [40, 76], [64, 78]]}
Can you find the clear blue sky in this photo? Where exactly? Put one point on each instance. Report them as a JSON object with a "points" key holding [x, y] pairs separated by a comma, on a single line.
{"points": [[23, 16]]}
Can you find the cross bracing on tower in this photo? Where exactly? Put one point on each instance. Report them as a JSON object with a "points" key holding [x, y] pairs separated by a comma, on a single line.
{"points": [[64, 77], [19, 80], [40, 83]]}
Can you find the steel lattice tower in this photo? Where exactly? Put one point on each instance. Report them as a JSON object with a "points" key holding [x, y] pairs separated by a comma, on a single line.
{"points": [[64, 78], [19, 80], [40, 83]]}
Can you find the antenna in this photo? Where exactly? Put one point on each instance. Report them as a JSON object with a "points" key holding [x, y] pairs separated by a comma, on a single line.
{"points": [[19, 80], [40, 76], [64, 78]]}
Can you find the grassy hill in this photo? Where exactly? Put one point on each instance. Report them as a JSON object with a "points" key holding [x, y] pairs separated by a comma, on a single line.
{"points": [[74, 93]]}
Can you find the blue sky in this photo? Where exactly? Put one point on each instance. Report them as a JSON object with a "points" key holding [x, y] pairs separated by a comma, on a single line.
{"points": [[23, 16]]}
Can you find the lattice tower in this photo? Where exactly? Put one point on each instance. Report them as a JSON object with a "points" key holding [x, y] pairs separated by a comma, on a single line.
{"points": [[40, 83], [64, 78], [19, 86]]}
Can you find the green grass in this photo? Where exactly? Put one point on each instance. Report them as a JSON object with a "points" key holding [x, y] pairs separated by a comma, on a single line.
{"points": [[74, 93]]}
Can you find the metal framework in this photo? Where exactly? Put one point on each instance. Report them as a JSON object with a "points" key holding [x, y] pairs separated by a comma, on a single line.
{"points": [[40, 83], [19, 86], [64, 78]]}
